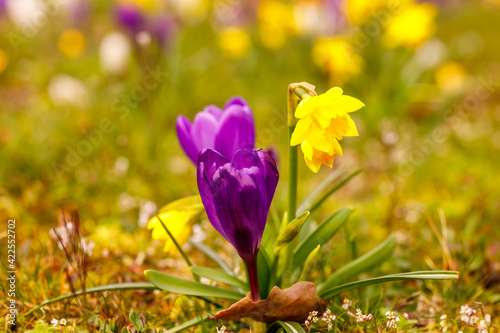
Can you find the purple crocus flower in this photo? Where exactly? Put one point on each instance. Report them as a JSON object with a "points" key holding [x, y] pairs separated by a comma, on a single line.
{"points": [[237, 195], [226, 130], [131, 17]]}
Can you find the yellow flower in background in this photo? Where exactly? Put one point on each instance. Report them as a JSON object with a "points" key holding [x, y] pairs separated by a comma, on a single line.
{"points": [[276, 23], [71, 43], [4, 61], [178, 216], [411, 26], [323, 121], [234, 42], [360, 11], [451, 76], [337, 57]]}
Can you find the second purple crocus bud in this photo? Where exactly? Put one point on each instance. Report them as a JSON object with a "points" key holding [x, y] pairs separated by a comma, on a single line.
{"points": [[225, 131], [237, 195]]}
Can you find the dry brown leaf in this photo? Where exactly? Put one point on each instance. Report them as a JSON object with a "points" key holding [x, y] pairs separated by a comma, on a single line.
{"points": [[291, 304]]}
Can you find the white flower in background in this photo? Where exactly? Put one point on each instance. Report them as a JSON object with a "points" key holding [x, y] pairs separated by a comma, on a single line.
{"points": [[67, 90], [114, 53], [27, 14], [87, 246]]}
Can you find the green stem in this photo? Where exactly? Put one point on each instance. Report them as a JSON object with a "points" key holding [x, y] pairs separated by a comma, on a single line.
{"points": [[296, 93], [292, 177]]}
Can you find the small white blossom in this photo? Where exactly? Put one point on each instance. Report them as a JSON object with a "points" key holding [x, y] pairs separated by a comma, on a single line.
{"points": [[482, 327], [361, 318], [328, 317], [392, 319], [346, 304]]}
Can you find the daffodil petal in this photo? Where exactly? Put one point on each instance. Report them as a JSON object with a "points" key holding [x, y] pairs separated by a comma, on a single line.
{"points": [[353, 131], [301, 131]]}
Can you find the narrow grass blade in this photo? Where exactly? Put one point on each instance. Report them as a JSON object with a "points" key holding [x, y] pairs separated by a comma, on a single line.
{"points": [[179, 248], [180, 286], [109, 287], [362, 264], [287, 326], [308, 202], [423, 275], [212, 255], [333, 190], [321, 235], [215, 275], [187, 324], [263, 273]]}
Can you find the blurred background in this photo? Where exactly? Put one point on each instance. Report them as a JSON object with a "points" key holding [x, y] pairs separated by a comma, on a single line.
{"points": [[90, 91]]}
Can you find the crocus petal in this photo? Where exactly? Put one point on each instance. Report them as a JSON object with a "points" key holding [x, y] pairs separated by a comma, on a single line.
{"points": [[237, 195], [237, 205], [183, 127], [225, 130], [214, 111], [209, 162], [236, 100], [236, 131], [203, 130], [271, 176]]}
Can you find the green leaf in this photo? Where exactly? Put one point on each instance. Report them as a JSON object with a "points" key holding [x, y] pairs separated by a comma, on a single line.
{"points": [[422, 275], [109, 287], [187, 324], [212, 255], [287, 326], [263, 273], [136, 321], [291, 231], [216, 275], [307, 203], [180, 286], [362, 264], [325, 231], [332, 191]]}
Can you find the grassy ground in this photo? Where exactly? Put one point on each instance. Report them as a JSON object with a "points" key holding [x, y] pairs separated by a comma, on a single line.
{"points": [[428, 154]]}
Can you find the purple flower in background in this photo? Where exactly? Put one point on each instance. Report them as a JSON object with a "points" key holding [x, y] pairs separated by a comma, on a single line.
{"points": [[162, 28], [237, 195], [3, 6], [79, 13], [131, 17], [225, 131]]}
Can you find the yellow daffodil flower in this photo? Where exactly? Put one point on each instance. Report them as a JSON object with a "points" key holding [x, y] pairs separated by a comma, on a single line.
{"points": [[323, 121], [178, 216]]}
